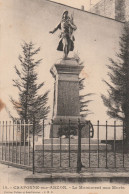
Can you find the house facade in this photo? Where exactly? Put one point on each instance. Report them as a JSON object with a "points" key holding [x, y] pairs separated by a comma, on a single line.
{"points": [[115, 9]]}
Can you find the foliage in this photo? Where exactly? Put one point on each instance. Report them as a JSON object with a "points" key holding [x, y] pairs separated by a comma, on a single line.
{"points": [[30, 103], [117, 100], [67, 130], [84, 111]]}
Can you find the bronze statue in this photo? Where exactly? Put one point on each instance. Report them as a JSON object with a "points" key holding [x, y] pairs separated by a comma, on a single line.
{"points": [[67, 28]]}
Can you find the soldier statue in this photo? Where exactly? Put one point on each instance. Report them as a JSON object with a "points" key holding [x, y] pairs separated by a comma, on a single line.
{"points": [[67, 39]]}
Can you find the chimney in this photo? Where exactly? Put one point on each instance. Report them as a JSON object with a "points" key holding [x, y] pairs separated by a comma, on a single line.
{"points": [[82, 8]]}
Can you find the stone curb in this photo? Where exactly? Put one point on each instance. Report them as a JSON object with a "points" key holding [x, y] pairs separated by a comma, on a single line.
{"points": [[82, 177]]}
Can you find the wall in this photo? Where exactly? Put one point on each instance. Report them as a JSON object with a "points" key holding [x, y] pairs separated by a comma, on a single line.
{"points": [[97, 39], [105, 8], [120, 10], [127, 10], [116, 9]]}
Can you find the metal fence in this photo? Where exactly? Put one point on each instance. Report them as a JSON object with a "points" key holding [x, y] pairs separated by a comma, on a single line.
{"points": [[21, 147], [14, 147]]}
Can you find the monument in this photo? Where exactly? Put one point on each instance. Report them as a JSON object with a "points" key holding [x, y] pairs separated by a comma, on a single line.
{"points": [[67, 27], [66, 105]]}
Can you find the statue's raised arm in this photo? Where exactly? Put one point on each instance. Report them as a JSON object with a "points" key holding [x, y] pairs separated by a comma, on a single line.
{"points": [[67, 39]]}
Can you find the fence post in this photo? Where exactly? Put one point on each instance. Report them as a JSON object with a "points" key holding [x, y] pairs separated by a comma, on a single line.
{"points": [[106, 143], [28, 126], [0, 142], [9, 142], [52, 144], [2, 139], [43, 143], [16, 138], [89, 145], [20, 143], [69, 141], [79, 164], [13, 143], [6, 142], [33, 145], [115, 143], [123, 147], [60, 141], [24, 123], [98, 141]]}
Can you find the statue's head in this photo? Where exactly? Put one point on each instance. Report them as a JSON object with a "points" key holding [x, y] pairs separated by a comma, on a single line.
{"points": [[65, 14]]}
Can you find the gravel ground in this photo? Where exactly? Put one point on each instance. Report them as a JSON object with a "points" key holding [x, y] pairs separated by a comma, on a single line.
{"points": [[68, 162]]}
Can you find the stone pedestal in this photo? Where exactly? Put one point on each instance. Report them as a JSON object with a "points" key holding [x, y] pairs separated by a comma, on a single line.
{"points": [[66, 105]]}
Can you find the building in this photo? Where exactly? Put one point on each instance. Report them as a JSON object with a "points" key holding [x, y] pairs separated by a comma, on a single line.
{"points": [[115, 9]]}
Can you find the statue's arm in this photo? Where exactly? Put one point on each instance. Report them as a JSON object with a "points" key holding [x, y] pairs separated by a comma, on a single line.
{"points": [[73, 26], [55, 29]]}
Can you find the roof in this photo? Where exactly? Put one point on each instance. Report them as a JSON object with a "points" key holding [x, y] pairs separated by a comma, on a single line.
{"points": [[84, 11]]}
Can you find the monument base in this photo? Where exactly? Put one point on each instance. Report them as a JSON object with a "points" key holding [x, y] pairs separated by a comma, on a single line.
{"points": [[63, 122], [66, 102]]}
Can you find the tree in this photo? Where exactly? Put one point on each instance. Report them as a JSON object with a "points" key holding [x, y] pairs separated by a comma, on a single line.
{"points": [[30, 103], [117, 100], [84, 111]]}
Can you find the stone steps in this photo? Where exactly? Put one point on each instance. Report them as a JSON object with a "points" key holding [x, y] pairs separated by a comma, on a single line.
{"points": [[72, 141], [73, 145]]}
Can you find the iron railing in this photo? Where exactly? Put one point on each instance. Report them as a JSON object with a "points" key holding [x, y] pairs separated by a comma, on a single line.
{"points": [[20, 147]]}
